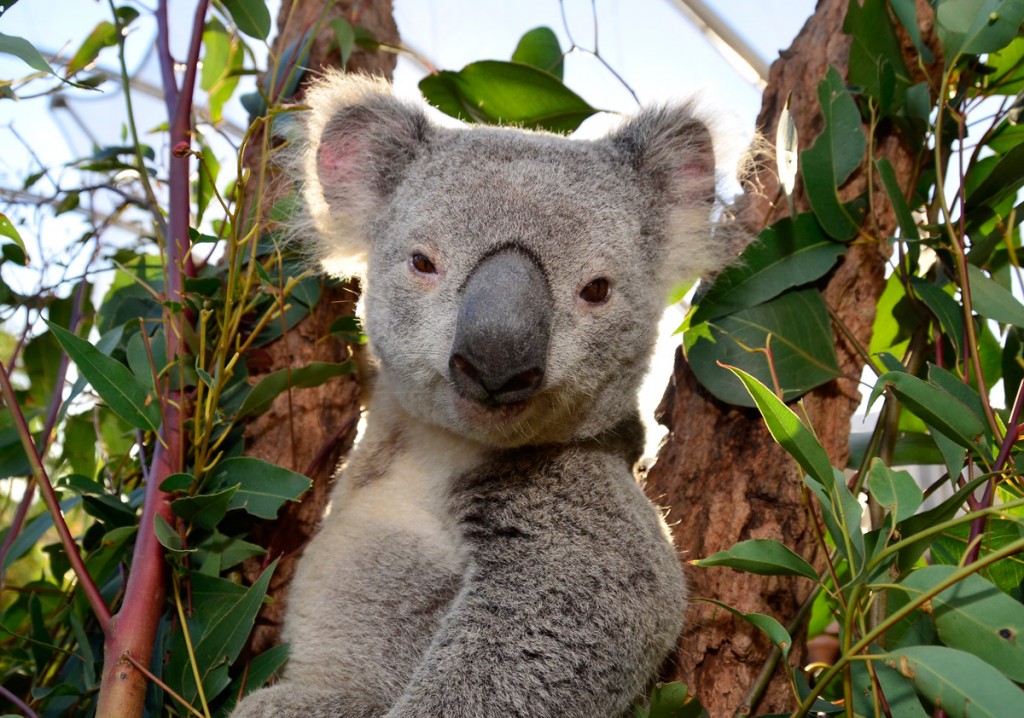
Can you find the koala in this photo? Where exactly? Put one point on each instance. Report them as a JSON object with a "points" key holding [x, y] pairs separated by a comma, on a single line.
{"points": [[488, 550]]}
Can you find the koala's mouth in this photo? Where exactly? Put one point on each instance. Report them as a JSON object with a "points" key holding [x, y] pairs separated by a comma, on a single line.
{"points": [[488, 411]]}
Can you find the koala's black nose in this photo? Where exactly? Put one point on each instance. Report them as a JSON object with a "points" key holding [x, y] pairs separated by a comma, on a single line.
{"points": [[499, 354]]}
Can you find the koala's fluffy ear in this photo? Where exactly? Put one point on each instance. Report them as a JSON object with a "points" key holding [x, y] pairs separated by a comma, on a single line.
{"points": [[359, 141], [671, 151]]}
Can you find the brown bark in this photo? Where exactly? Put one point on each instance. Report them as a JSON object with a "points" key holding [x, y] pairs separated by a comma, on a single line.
{"points": [[720, 473], [310, 430]]}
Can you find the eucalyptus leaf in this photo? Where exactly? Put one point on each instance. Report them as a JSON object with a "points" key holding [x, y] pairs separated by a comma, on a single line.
{"points": [[993, 301], [771, 627], [801, 344], [973, 27], [787, 429], [539, 48], [895, 490], [833, 157], [765, 557], [962, 684], [494, 92], [262, 487], [251, 16], [787, 254], [273, 384], [117, 386], [939, 409], [973, 615]]}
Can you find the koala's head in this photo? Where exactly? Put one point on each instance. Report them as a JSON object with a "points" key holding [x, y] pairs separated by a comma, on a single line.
{"points": [[513, 280]]}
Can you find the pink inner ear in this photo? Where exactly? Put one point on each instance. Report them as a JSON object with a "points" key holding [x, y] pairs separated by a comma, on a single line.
{"points": [[337, 163], [694, 180]]}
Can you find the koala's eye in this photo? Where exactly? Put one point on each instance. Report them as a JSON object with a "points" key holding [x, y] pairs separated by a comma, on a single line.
{"points": [[422, 264], [596, 292]]}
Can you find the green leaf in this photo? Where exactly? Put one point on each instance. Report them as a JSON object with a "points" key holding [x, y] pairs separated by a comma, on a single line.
{"points": [[219, 553], [102, 36], [937, 408], [895, 490], [842, 514], [273, 384], [673, 700], [973, 615], [801, 345], [917, 523], [836, 153], [787, 429], [906, 11], [973, 27], [908, 227], [898, 691], [204, 510], [345, 36], [962, 684], [1008, 573], [765, 557], [8, 230], [992, 301], [262, 486], [1007, 65], [787, 254], [494, 92], [23, 49], [945, 308], [260, 669], [539, 48], [225, 637], [772, 628], [874, 51], [222, 62], [168, 537], [117, 386], [251, 16], [1001, 182]]}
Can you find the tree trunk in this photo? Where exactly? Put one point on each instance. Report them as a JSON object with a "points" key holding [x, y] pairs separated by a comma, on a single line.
{"points": [[310, 430], [719, 472]]}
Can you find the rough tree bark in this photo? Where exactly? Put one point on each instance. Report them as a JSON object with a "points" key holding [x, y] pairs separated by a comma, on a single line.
{"points": [[310, 430], [720, 473]]}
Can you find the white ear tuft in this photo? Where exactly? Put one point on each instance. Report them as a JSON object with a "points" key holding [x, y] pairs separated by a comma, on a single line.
{"points": [[358, 142]]}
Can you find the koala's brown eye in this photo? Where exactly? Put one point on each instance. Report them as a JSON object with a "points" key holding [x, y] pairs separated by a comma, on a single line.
{"points": [[422, 264], [595, 292]]}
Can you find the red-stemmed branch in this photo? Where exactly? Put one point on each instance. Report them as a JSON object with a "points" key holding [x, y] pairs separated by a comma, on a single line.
{"points": [[133, 629]]}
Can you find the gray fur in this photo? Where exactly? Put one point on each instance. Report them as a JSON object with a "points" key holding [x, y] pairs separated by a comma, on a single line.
{"points": [[488, 551]]}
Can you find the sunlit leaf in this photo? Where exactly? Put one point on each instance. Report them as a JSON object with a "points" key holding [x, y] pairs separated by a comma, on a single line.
{"points": [[765, 557], [262, 487], [493, 92], [102, 36], [273, 384], [539, 47], [972, 27]]}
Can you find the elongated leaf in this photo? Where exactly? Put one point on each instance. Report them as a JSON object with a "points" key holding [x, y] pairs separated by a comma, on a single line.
{"points": [[992, 301], [261, 668], [24, 50], [493, 92], [262, 486], [204, 510], [836, 153], [787, 254], [909, 555], [895, 490], [945, 309], [899, 203], [772, 628], [225, 637], [251, 16], [539, 48], [842, 514], [937, 408], [972, 27], [874, 53], [801, 346], [973, 615], [103, 35], [672, 700], [962, 684], [273, 384], [898, 691], [8, 230], [765, 557], [906, 12], [1004, 180], [787, 429], [117, 386]]}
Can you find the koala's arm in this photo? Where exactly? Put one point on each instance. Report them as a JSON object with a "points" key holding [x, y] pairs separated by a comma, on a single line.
{"points": [[571, 601]]}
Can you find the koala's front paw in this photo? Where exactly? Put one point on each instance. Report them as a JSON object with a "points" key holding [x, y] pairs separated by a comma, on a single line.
{"points": [[289, 700]]}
